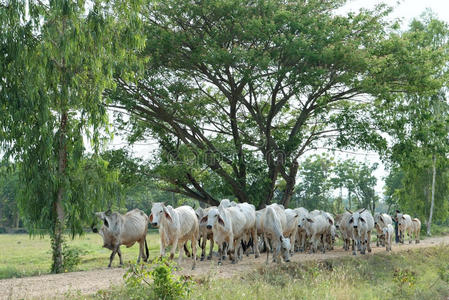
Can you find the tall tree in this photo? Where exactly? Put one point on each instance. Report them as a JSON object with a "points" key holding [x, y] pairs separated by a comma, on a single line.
{"points": [[236, 91], [58, 58], [418, 124]]}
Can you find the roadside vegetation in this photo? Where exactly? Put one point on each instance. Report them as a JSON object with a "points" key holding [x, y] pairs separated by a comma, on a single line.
{"points": [[414, 274]]}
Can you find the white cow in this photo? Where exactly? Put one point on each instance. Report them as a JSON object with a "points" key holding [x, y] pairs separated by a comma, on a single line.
{"points": [[330, 235], [291, 227], [176, 227], [228, 227], [250, 228], [416, 229], [125, 230], [301, 236], [316, 227], [388, 232], [342, 224], [272, 229], [405, 225], [363, 223], [380, 222], [225, 203], [205, 234]]}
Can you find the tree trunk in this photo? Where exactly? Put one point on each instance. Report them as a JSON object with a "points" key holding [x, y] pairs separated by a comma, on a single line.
{"points": [[58, 230], [349, 199], [432, 203], [17, 219], [291, 181]]}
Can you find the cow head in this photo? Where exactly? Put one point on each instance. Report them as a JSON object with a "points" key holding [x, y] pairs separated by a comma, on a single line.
{"points": [[303, 221], [111, 227], [212, 217], [357, 218], [401, 220], [285, 248], [158, 212]]}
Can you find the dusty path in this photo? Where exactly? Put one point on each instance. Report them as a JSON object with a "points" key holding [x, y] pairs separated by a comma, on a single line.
{"points": [[88, 282]]}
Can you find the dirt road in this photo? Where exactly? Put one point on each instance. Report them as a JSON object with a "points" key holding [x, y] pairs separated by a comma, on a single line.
{"points": [[88, 282]]}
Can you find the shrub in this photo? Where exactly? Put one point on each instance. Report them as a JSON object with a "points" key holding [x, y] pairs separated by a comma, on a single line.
{"points": [[156, 281], [71, 257], [405, 281]]}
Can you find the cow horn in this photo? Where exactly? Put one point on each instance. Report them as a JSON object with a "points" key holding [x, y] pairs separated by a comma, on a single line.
{"points": [[108, 212], [349, 211]]}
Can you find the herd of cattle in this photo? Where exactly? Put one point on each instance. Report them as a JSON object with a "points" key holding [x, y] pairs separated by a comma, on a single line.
{"points": [[238, 228]]}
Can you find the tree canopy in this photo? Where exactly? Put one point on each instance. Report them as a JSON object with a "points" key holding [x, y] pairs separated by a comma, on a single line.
{"points": [[235, 92]]}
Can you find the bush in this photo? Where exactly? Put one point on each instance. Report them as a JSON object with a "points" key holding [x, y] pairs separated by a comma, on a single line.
{"points": [[71, 257], [156, 281]]}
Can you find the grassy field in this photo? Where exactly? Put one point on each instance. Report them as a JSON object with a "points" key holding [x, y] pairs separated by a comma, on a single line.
{"points": [[22, 256], [415, 274]]}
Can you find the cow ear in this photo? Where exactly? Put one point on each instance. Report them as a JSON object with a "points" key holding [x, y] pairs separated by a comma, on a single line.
{"points": [[309, 220], [204, 219], [403, 217], [381, 219], [220, 220], [280, 238], [362, 219], [330, 221], [167, 214], [151, 218], [100, 215]]}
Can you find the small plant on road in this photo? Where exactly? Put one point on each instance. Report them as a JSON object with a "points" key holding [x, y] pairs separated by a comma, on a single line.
{"points": [[156, 281]]}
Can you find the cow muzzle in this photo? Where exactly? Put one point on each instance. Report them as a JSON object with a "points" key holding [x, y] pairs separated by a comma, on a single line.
{"points": [[355, 226], [209, 226], [154, 224]]}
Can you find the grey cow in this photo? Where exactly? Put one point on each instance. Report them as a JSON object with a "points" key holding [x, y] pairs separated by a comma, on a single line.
{"points": [[125, 230]]}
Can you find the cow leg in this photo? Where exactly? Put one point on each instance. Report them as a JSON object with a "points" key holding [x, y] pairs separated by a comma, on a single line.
{"points": [[181, 247], [193, 244], [267, 245], [255, 243], [111, 258], [120, 256], [186, 251], [236, 250], [211, 244], [353, 247], [220, 253], [141, 250], [368, 241], [173, 249], [203, 247], [162, 247]]}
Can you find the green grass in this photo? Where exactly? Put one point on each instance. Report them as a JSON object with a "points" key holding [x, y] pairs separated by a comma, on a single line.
{"points": [[22, 256], [414, 274]]}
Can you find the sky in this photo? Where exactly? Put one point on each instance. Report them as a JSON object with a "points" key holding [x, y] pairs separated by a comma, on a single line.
{"points": [[406, 10]]}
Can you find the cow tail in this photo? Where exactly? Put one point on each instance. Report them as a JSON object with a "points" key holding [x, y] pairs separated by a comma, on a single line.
{"points": [[146, 249]]}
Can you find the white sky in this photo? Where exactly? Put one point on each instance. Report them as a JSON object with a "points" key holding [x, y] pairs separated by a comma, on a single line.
{"points": [[406, 10]]}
